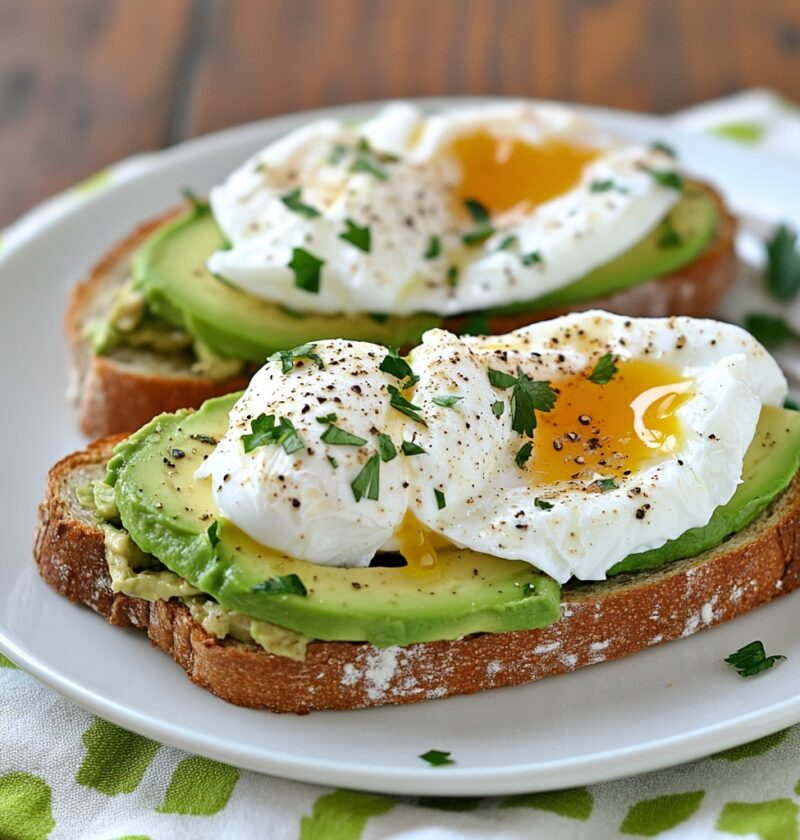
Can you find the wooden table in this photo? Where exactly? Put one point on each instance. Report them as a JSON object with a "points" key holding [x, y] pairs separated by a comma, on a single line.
{"points": [[86, 82]]}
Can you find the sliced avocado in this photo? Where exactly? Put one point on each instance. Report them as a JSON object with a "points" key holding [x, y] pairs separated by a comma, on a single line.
{"points": [[168, 513], [170, 269], [770, 464], [678, 240]]}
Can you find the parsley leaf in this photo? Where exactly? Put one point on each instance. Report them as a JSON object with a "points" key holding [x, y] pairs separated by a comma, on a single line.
{"points": [[783, 264], [606, 484], [399, 402], [524, 453], [527, 397], [293, 202], [670, 238], [437, 758], [304, 351], [667, 178], [661, 146], [604, 371], [601, 186], [452, 275], [770, 330], [508, 242], [333, 462], [791, 405], [264, 431], [367, 483], [386, 448], [213, 533], [441, 502], [306, 268], [752, 659], [327, 418], [446, 402], [434, 248], [281, 585], [360, 237], [395, 365], [498, 407], [499, 379], [339, 437], [533, 258], [366, 160], [542, 504], [410, 448], [483, 226]]}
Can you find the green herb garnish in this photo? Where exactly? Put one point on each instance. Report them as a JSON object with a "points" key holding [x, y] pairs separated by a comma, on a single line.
{"points": [[293, 202], [446, 402], [437, 758], [606, 484], [601, 186], [410, 448], [524, 453], [333, 462], [661, 146], [386, 448], [360, 237], [306, 268], [281, 585], [434, 248], [604, 371], [533, 258], [395, 365], [667, 178], [670, 238], [508, 242], [213, 533], [542, 504], [265, 431], [399, 402], [752, 659], [327, 418], [441, 502], [338, 154], [498, 407], [197, 204], [304, 351], [483, 226], [366, 485], [452, 276], [783, 264], [366, 160], [339, 437], [528, 397], [791, 404], [770, 330]]}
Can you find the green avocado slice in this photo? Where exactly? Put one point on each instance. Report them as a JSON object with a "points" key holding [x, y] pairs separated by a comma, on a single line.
{"points": [[168, 515], [170, 269], [685, 232]]}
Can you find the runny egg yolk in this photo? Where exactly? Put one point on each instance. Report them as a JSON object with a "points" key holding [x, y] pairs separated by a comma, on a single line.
{"points": [[609, 430], [503, 173], [417, 544]]}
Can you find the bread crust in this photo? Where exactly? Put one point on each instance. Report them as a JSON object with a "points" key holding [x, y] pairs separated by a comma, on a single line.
{"points": [[112, 395], [600, 621]]}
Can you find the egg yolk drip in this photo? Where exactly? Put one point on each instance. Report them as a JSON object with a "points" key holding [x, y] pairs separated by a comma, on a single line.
{"points": [[612, 429], [503, 173], [418, 545]]}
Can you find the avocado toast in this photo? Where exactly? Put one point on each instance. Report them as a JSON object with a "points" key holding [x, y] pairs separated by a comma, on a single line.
{"points": [[128, 528]]}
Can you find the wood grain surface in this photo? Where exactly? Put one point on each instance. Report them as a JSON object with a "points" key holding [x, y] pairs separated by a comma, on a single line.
{"points": [[86, 82]]}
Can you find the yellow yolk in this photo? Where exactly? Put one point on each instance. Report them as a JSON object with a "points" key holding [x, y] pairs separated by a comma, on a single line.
{"points": [[503, 173], [609, 429], [417, 545]]}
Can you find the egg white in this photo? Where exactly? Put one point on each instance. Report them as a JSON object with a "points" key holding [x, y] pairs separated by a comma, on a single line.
{"points": [[572, 233]]}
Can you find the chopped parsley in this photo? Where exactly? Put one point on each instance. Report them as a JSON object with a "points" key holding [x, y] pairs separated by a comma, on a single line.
{"points": [[533, 258], [327, 418], [359, 237], [508, 242], [213, 533], [483, 226], [395, 365], [434, 248], [446, 402], [661, 146], [399, 402], [604, 371], [386, 448], [339, 437], [752, 659], [265, 431], [441, 502], [452, 275], [783, 264], [410, 448], [770, 330], [670, 238], [791, 404], [304, 351], [293, 202], [366, 485], [527, 397], [437, 758], [281, 585], [333, 462], [601, 186], [338, 154], [606, 484], [498, 407], [667, 178], [306, 268], [542, 504], [366, 160], [524, 453]]}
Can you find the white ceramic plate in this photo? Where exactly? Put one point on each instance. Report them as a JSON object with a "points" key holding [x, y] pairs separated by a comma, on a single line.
{"points": [[659, 707]]}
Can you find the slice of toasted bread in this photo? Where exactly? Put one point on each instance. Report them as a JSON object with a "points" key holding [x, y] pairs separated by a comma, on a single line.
{"points": [[600, 621], [126, 388]]}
